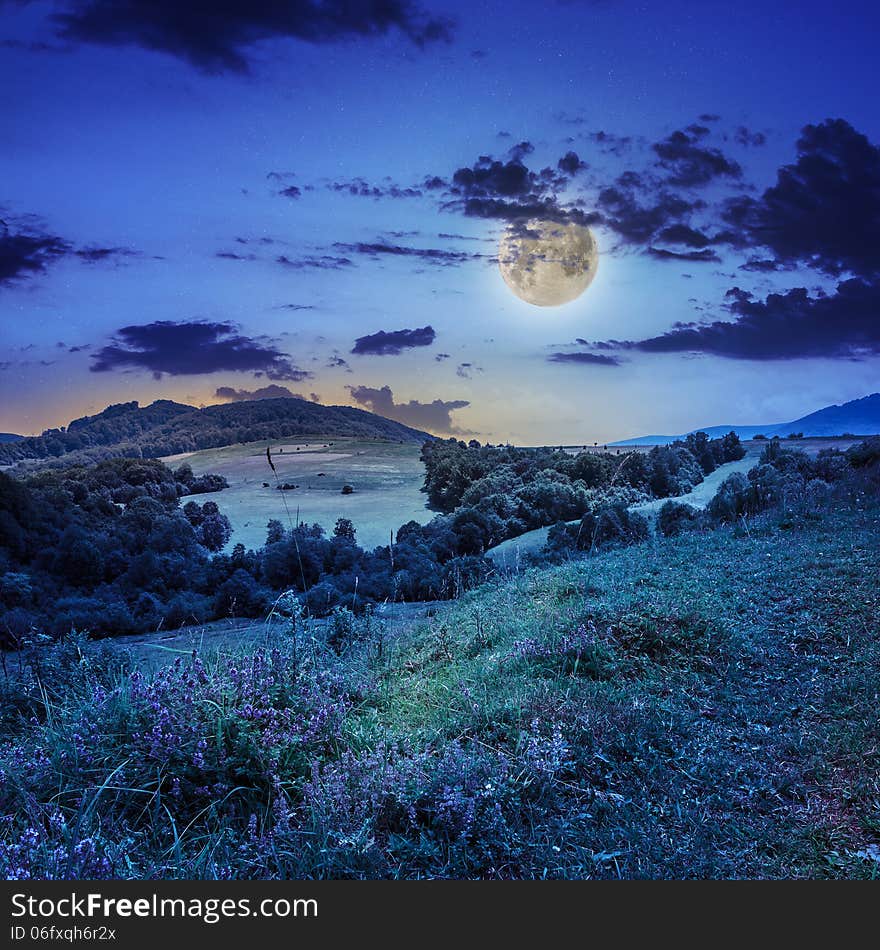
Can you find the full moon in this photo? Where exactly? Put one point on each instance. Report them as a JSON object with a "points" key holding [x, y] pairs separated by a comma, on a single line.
{"points": [[547, 263]]}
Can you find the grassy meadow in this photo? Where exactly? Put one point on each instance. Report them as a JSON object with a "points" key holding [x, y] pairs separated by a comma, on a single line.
{"points": [[696, 706]]}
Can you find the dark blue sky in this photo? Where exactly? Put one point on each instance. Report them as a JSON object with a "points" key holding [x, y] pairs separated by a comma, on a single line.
{"points": [[234, 195]]}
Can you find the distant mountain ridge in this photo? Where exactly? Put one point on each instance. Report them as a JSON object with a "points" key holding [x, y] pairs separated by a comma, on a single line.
{"points": [[859, 417], [169, 428], [9, 437]]}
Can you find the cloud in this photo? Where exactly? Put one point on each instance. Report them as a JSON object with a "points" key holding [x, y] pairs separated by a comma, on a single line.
{"points": [[218, 38], [360, 188], [433, 416], [393, 342], [466, 370], [744, 136], [233, 256], [689, 164], [570, 163], [510, 191], [192, 348], [440, 357], [824, 210], [314, 262], [631, 209], [610, 143], [337, 362], [590, 359], [273, 391], [784, 326], [432, 255], [26, 250], [662, 254], [519, 151], [93, 255], [291, 191], [25, 254]]}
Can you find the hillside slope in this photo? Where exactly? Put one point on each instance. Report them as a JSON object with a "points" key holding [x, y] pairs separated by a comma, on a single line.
{"points": [[695, 707], [168, 428], [858, 416]]}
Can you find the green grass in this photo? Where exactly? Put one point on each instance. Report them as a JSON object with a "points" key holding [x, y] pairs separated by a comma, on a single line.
{"points": [[746, 746], [701, 706]]}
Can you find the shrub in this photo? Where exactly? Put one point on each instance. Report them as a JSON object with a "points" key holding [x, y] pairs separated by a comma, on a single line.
{"points": [[675, 518]]}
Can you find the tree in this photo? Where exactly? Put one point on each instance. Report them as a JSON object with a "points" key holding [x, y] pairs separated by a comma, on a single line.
{"points": [[274, 531], [215, 531], [344, 530]]}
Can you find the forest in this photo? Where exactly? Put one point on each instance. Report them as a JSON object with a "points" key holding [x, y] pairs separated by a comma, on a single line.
{"points": [[119, 546]]}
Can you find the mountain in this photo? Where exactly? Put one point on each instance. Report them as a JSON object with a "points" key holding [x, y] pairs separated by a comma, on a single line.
{"points": [[9, 437], [169, 428], [859, 417]]}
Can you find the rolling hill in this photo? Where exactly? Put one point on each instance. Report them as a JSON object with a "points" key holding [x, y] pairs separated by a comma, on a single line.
{"points": [[9, 437], [168, 428], [859, 417]]}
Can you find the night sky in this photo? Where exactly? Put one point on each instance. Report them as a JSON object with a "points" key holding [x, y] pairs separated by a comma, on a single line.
{"points": [[202, 201]]}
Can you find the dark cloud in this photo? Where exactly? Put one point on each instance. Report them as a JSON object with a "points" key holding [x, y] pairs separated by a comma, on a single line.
{"points": [[467, 370], [93, 255], [432, 255], [824, 210], [433, 416], [519, 151], [233, 256], [610, 143], [393, 342], [744, 136], [510, 191], [26, 250], [570, 163], [291, 191], [337, 362], [440, 357], [663, 254], [689, 164], [264, 240], [637, 213], [314, 262], [273, 391], [363, 189], [784, 326], [25, 254], [591, 359], [219, 37], [457, 237], [192, 348], [296, 306]]}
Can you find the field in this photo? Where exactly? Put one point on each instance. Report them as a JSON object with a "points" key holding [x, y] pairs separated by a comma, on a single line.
{"points": [[386, 477]]}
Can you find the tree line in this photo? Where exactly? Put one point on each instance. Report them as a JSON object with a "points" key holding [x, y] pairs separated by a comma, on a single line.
{"points": [[119, 546]]}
